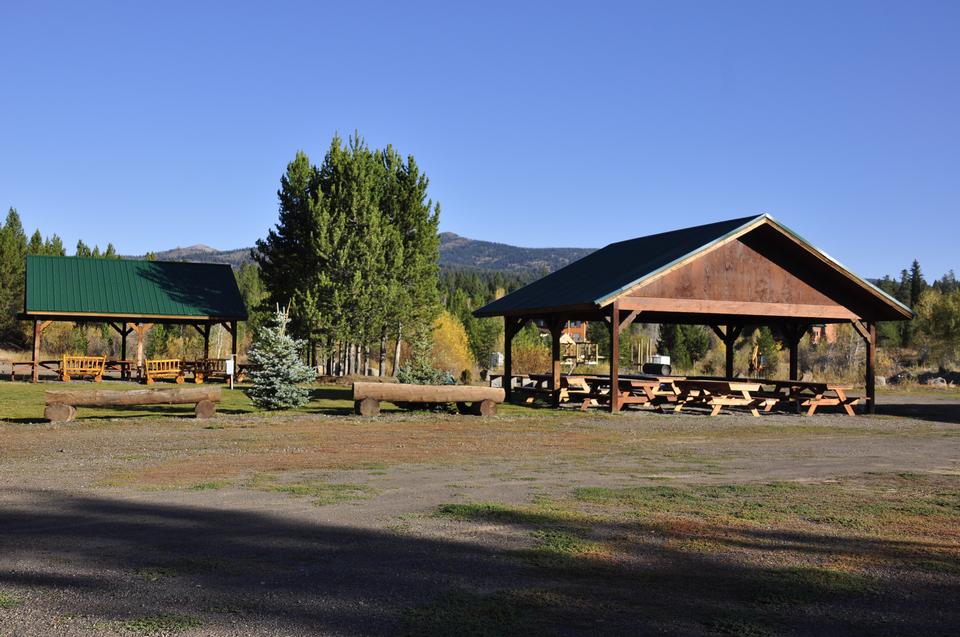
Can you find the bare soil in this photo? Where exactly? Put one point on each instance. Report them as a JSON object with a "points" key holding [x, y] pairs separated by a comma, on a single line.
{"points": [[329, 525]]}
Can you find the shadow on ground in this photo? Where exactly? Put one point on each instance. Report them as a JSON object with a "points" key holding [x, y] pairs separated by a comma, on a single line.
{"points": [[115, 560]]}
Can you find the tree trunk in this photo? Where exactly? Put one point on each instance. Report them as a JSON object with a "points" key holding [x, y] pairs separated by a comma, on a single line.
{"points": [[396, 351], [383, 352]]}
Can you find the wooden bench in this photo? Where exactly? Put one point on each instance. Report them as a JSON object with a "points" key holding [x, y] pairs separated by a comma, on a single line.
{"points": [[61, 406], [480, 401], [82, 366], [163, 368]]}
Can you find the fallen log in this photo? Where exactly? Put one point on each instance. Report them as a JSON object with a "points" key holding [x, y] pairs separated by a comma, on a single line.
{"points": [[61, 405], [470, 399]]}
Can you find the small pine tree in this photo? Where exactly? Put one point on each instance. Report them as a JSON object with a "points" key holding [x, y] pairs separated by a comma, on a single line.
{"points": [[279, 375], [769, 350], [419, 370]]}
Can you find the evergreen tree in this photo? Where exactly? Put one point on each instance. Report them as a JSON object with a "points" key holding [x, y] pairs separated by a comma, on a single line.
{"points": [[672, 343], [83, 250], [769, 350], [13, 250], [917, 283], [278, 381]]}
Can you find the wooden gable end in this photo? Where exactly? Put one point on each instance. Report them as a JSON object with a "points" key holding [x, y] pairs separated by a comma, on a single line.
{"points": [[736, 278]]}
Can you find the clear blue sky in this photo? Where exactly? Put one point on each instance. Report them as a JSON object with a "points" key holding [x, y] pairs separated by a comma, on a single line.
{"points": [[160, 124]]}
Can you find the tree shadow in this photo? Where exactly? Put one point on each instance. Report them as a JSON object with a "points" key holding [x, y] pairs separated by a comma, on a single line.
{"points": [[943, 411], [114, 559]]}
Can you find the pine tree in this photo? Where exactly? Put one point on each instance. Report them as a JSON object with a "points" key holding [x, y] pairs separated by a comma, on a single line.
{"points": [[278, 381], [769, 350], [672, 342], [83, 250], [13, 250], [917, 283]]}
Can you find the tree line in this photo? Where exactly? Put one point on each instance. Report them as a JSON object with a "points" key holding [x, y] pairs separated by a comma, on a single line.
{"points": [[14, 248]]}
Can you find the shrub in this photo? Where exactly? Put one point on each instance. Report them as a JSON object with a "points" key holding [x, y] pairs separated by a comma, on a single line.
{"points": [[280, 374]]}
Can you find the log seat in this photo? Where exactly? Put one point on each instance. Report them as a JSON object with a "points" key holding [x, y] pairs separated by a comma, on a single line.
{"points": [[61, 406], [479, 401]]}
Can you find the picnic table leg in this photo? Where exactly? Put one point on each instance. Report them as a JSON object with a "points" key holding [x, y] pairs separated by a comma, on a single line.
{"points": [[716, 409], [842, 395], [814, 403], [752, 404]]}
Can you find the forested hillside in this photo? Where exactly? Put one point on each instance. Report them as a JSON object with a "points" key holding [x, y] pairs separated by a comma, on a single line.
{"points": [[455, 252]]}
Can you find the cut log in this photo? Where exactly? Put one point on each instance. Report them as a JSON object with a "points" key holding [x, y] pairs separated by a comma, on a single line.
{"points": [[59, 412], [112, 398], [392, 392], [205, 409], [367, 407], [485, 408]]}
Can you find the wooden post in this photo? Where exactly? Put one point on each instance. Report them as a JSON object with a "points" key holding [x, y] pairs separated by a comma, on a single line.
{"points": [[511, 326], [615, 357], [556, 330], [233, 340], [206, 341], [36, 352], [141, 329], [871, 368]]}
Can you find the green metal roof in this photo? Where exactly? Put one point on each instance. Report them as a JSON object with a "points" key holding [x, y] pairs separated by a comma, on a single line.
{"points": [[596, 279], [129, 288]]}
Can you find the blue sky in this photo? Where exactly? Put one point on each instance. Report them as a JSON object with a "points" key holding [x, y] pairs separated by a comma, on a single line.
{"points": [[154, 125]]}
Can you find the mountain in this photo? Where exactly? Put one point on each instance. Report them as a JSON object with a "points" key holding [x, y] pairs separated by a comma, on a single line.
{"points": [[455, 252]]}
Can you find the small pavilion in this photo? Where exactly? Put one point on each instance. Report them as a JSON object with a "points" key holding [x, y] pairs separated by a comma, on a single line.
{"points": [[725, 275], [130, 296]]}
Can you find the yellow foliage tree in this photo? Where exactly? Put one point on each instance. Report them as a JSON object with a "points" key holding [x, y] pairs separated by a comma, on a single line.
{"points": [[451, 349]]}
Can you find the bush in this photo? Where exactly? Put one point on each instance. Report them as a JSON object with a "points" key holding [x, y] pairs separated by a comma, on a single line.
{"points": [[419, 370], [280, 374]]}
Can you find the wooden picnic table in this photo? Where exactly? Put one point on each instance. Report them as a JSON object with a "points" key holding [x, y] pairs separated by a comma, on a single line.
{"points": [[51, 365], [125, 367], [808, 394], [718, 394]]}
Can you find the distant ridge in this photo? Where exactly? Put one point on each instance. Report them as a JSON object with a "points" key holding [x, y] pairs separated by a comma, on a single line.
{"points": [[455, 252]]}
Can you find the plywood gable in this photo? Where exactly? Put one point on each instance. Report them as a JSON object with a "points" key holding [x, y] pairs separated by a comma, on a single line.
{"points": [[737, 273]]}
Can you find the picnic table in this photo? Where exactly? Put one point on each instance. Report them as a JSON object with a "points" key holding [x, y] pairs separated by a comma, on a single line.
{"points": [[125, 367], [807, 394], [721, 393], [51, 365], [813, 395]]}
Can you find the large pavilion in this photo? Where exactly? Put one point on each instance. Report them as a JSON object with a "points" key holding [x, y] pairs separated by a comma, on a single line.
{"points": [[726, 275], [131, 296]]}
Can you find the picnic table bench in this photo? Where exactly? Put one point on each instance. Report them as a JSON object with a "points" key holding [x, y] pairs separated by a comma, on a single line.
{"points": [[206, 369], [480, 401], [51, 365]]}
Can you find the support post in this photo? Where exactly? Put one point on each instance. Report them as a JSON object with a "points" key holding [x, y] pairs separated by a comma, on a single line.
{"points": [[36, 352], [206, 341], [871, 368], [556, 330], [141, 329], [615, 357], [511, 326], [729, 337]]}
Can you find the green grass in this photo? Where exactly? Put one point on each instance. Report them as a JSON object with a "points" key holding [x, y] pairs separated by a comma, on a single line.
{"points": [[23, 402], [321, 493], [8, 600], [210, 486], [159, 624]]}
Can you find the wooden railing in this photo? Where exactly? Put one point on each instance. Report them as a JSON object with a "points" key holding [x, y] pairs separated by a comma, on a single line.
{"points": [[79, 366], [163, 368]]}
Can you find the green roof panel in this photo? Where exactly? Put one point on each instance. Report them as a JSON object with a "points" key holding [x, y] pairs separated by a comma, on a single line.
{"points": [[125, 287]]}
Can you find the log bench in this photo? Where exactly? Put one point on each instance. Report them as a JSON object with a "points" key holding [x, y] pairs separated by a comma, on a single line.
{"points": [[480, 401], [62, 405]]}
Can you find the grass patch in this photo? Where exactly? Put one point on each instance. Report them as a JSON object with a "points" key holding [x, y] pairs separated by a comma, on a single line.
{"points": [[8, 600], [159, 624], [806, 585], [320, 493], [210, 486]]}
